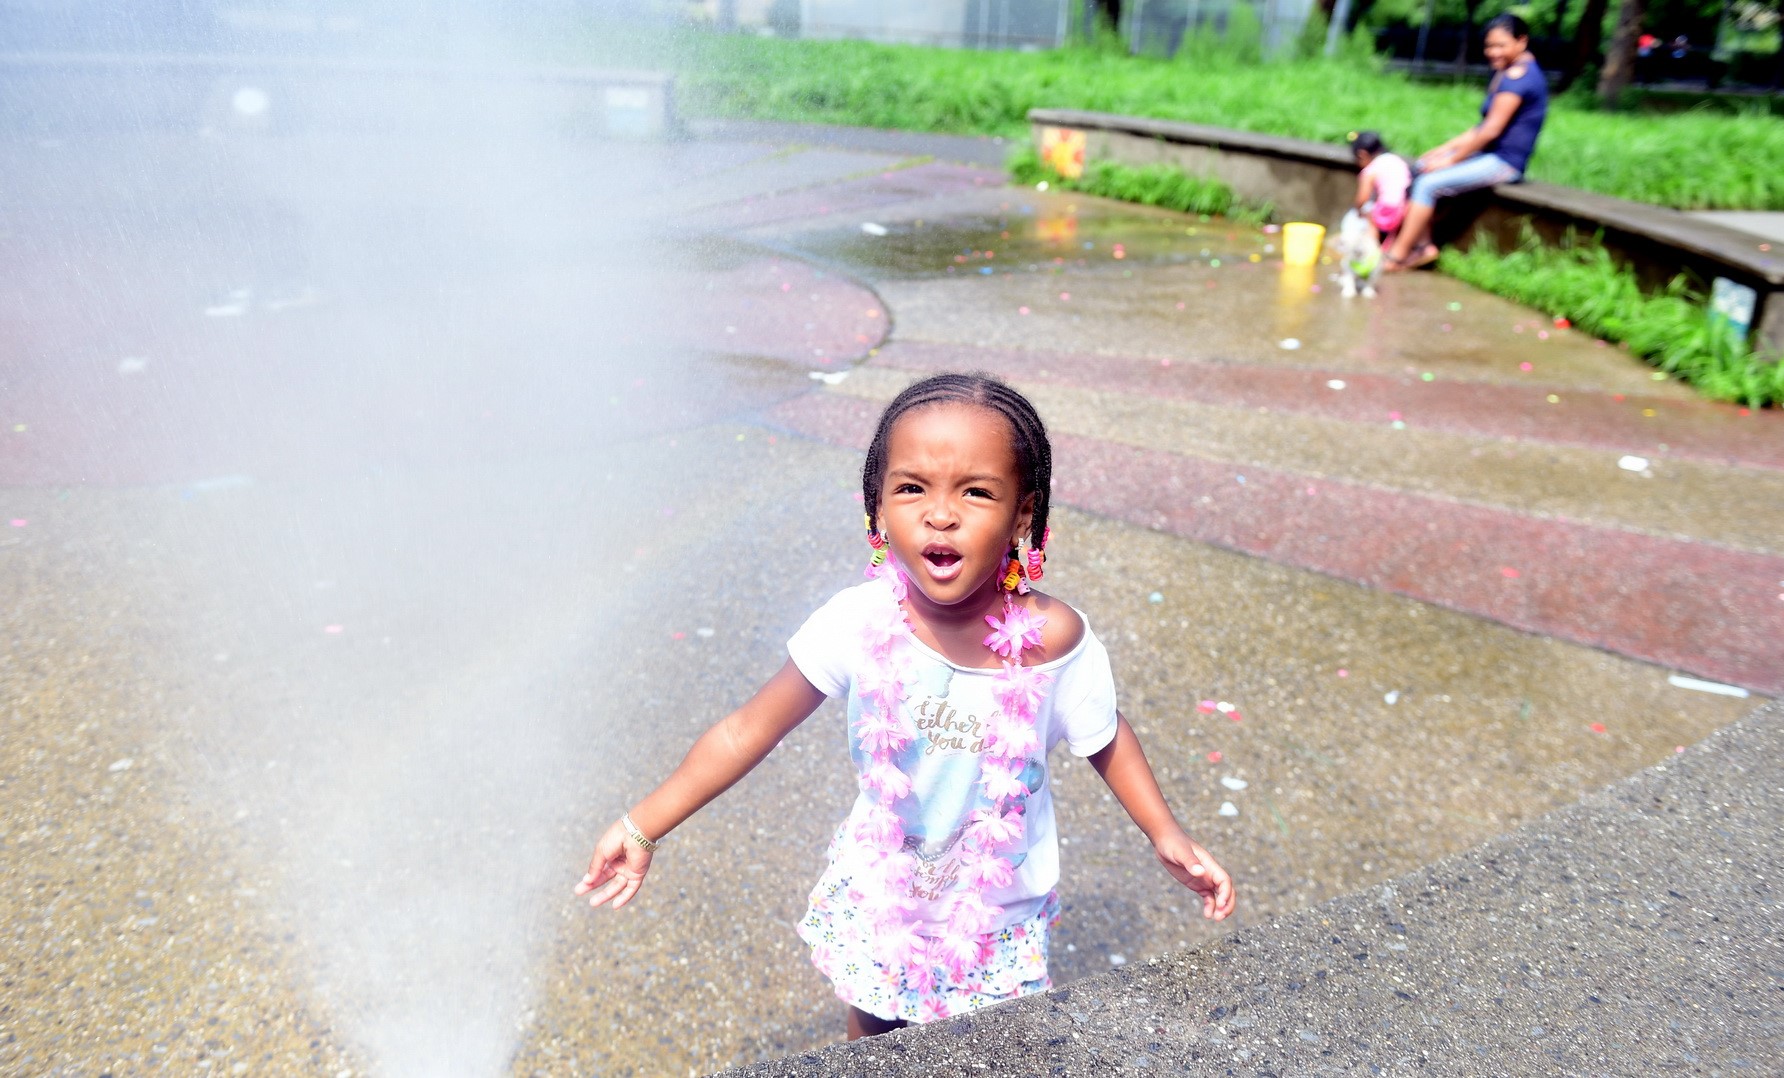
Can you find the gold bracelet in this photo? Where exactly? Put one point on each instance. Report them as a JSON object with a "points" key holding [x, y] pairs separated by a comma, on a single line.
{"points": [[638, 836]]}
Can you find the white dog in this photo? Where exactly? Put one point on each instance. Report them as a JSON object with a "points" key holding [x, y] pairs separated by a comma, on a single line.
{"points": [[1359, 254]]}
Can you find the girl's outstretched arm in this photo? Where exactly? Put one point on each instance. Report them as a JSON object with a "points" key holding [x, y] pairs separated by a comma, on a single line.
{"points": [[1122, 764], [722, 755]]}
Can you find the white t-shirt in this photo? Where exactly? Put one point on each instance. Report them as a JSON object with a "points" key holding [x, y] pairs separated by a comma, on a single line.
{"points": [[947, 705]]}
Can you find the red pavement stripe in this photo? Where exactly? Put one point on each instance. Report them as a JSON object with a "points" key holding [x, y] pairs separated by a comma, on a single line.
{"points": [[1700, 430], [1705, 609]]}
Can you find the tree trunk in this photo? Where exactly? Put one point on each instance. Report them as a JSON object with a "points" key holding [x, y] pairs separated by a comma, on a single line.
{"points": [[1586, 39], [1468, 35], [1619, 59]]}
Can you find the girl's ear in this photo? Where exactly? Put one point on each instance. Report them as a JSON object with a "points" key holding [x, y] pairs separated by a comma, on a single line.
{"points": [[1024, 518]]}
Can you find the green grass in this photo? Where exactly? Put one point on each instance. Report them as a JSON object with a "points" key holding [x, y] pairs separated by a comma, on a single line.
{"points": [[1578, 280], [1704, 158], [1151, 185]]}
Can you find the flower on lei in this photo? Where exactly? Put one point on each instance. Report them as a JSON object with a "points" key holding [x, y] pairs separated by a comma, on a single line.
{"points": [[990, 828], [956, 954], [1011, 737], [1001, 779], [883, 681], [1020, 689], [984, 869], [971, 915], [884, 626], [1019, 629], [881, 829], [902, 947], [892, 783], [891, 876], [882, 731]]}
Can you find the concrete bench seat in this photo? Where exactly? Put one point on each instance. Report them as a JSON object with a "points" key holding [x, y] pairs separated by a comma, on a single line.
{"points": [[1316, 181]]}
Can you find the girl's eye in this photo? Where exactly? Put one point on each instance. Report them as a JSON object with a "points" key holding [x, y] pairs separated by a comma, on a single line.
{"points": [[907, 488], [978, 492]]}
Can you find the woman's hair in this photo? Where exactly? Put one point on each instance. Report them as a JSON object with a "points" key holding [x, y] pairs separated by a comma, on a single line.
{"points": [[1508, 22], [1034, 453], [1368, 142]]}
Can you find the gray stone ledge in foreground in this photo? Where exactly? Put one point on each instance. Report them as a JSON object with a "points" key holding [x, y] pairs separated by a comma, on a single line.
{"points": [[1636, 932]]}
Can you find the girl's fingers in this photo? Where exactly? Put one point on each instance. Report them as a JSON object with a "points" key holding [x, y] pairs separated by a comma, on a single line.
{"points": [[600, 870], [626, 892], [593, 879], [605, 892], [616, 892]]}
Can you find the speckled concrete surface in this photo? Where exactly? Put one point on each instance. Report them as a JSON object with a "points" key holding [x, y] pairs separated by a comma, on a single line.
{"points": [[1632, 933], [380, 694], [135, 938]]}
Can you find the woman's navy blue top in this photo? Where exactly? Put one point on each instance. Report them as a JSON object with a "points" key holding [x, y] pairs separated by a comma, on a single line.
{"points": [[1518, 141]]}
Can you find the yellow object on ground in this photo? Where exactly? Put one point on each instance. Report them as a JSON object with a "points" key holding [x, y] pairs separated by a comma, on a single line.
{"points": [[1301, 242]]}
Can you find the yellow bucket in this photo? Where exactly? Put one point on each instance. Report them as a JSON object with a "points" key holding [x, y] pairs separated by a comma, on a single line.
{"points": [[1301, 242]]}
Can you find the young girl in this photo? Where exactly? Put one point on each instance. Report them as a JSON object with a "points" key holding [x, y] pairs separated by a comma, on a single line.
{"points": [[939, 894], [1382, 182]]}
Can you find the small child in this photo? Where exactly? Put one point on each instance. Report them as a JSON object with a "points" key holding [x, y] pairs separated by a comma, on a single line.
{"points": [[939, 894], [1382, 183]]}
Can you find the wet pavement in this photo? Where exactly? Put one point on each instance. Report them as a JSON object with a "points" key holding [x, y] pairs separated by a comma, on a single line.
{"points": [[403, 519]]}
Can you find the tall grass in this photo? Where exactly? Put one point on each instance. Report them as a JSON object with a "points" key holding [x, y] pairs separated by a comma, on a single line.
{"points": [[1579, 280], [1701, 159]]}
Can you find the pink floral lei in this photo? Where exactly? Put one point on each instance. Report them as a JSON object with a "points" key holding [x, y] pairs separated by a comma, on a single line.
{"points": [[882, 730]]}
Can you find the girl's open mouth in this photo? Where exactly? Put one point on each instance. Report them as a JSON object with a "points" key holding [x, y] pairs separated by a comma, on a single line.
{"points": [[944, 562]]}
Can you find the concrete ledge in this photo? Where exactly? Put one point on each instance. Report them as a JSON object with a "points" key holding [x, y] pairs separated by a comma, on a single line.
{"points": [[53, 93], [1635, 932], [1316, 181]]}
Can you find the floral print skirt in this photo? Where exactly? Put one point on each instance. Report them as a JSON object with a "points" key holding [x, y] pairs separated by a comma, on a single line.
{"points": [[1012, 960]]}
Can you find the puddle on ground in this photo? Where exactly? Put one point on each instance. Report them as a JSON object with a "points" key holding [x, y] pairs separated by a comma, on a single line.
{"points": [[1036, 237]]}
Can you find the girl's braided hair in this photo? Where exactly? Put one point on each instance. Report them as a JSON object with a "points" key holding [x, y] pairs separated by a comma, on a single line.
{"points": [[1034, 453]]}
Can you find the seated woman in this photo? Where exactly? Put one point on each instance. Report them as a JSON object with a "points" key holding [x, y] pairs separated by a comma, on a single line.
{"points": [[1494, 151]]}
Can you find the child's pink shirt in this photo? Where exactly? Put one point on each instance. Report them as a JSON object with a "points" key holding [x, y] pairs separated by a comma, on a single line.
{"points": [[1392, 176]]}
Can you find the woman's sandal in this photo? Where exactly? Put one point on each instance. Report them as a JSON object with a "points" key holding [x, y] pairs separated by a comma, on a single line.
{"points": [[1420, 258]]}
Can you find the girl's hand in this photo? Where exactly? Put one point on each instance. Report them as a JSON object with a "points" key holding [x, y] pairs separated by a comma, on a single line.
{"points": [[617, 869], [1196, 869]]}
